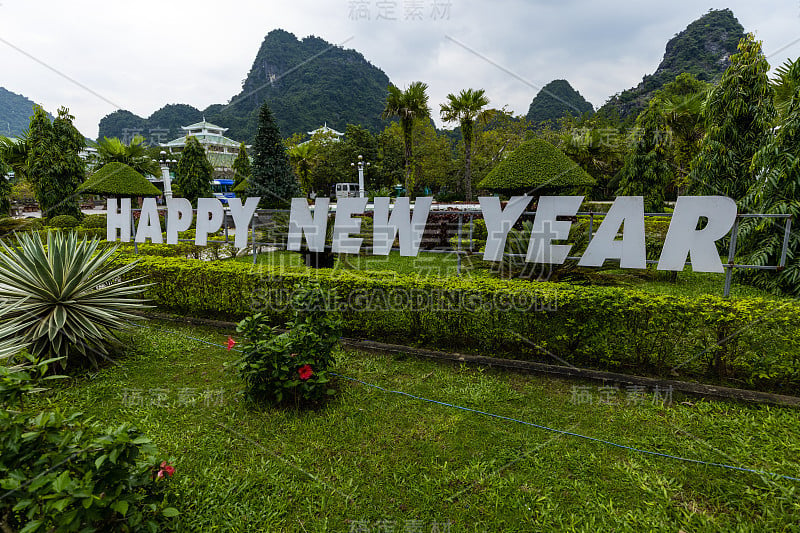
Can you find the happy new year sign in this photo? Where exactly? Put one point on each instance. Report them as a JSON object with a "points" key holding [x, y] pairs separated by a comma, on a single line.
{"points": [[399, 222]]}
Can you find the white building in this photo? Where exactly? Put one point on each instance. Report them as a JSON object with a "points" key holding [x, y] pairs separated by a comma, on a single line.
{"points": [[220, 150]]}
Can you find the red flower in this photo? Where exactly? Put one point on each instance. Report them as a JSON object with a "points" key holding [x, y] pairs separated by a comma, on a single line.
{"points": [[231, 342], [305, 372], [165, 467]]}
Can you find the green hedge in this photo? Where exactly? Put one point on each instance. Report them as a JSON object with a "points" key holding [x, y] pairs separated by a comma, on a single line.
{"points": [[746, 342]]}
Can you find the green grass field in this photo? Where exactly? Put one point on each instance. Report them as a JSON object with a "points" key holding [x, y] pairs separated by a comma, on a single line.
{"points": [[370, 459]]}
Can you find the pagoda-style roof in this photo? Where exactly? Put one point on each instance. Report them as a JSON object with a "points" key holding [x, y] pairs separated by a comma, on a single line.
{"points": [[118, 179], [326, 129], [203, 138], [204, 126]]}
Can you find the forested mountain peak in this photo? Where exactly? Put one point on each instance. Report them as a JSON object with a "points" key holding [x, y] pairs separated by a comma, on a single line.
{"points": [[703, 49], [555, 100]]}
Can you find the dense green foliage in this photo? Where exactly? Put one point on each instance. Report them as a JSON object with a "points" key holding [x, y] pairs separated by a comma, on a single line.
{"points": [[601, 326], [646, 171], [702, 49], [777, 164], [292, 367], [118, 180], [739, 115], [241, 166], [556, 100], [306, 82], [64, 472], [53, 165], [194, 172], [65, 298], [16, 111], [272, 178], [536, 166]]}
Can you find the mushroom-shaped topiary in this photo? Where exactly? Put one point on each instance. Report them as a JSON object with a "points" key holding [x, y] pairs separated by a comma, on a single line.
{"points": [[536, 166], [118, 180]]}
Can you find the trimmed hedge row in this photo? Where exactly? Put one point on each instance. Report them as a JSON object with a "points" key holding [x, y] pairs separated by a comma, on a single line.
{"points": [[747, 342]]}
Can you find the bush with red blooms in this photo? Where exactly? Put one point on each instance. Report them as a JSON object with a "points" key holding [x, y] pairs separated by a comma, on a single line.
{"points": [[292, 367]]}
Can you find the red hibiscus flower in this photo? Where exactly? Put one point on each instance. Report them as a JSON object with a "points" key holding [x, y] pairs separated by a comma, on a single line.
{"points": [[165, 468], [231, 343], [305, 372]]}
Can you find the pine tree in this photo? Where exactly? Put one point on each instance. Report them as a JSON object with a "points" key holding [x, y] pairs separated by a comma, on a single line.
{"points": [[738, 114], [54, 167], [241, 166], [272, 178], [194, 172]]}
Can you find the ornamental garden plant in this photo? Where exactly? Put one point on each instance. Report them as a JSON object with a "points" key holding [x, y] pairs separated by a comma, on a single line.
{"points": [[292, 367]]}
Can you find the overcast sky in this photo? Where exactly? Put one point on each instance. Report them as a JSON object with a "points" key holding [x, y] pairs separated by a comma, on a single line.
{"points": [[95, 57]]}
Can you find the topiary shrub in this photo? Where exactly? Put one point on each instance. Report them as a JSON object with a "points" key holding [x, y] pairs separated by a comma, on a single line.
{"points": [[63, 222], [535, 167], [94, 221], [292, 367]]}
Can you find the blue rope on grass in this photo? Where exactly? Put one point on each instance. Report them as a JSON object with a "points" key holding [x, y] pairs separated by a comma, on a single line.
{"points": [[509, 419]]}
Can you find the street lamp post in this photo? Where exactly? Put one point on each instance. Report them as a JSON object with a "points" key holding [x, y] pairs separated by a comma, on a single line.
{"points": [[165, 163], [360, 175]]}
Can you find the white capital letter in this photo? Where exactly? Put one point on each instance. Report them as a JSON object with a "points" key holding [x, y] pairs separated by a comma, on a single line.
{"points": [[684, 239], [410, 227], [242, 216], [179, 218], [546, 229], [345, 224], [149, 224], [209, 219], [301, 221], [118, 221], [630, 250], [499, 222]]}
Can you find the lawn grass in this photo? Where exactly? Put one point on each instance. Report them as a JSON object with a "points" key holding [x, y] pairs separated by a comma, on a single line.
{"points": [[370, 459]]}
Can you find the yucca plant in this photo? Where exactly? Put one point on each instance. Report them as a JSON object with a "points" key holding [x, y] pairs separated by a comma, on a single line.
{"points": [[64, 299]]}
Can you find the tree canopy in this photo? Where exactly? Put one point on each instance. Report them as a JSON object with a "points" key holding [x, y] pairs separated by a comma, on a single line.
{"points": [[53, 166], [194, 173]]}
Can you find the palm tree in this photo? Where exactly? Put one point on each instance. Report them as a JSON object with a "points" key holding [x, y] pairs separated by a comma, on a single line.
{"points": [[465, 108], [408, 105], [134, 155], [301, 157]]}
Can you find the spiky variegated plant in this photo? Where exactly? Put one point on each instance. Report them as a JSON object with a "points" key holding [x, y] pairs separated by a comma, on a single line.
{"points": [[64, 299]]}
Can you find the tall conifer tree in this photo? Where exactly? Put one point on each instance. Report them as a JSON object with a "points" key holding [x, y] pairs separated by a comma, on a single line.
{"points": [[272, 178]]}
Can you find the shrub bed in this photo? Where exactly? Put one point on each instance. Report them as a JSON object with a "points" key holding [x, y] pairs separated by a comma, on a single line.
{"points": [[747, 342]]}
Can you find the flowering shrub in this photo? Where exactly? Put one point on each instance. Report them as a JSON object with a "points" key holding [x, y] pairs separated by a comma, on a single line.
{"points": [[291, 366], [62, 472]]}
